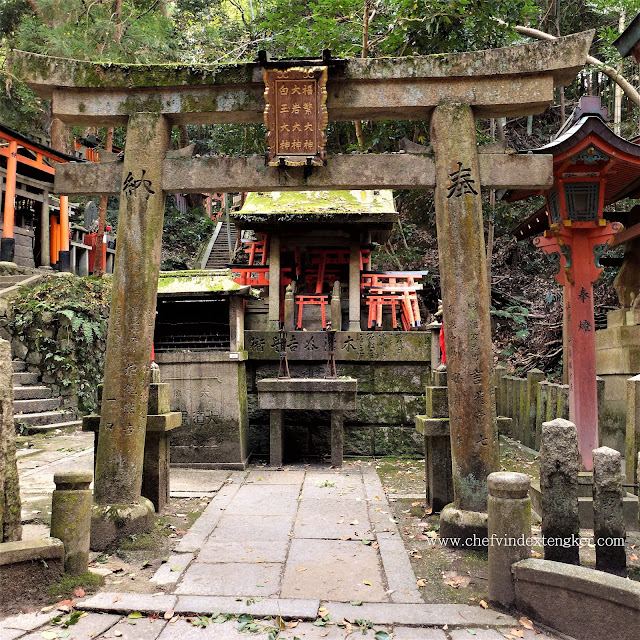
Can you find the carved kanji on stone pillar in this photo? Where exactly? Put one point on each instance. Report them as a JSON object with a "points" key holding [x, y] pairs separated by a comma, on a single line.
{"points": [[576, 248]]}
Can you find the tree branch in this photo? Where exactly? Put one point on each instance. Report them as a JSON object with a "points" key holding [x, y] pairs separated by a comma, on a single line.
{"points": [[631, 92]]}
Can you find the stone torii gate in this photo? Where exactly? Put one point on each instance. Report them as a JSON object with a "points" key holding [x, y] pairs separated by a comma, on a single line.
{"points": [[453, 90]]}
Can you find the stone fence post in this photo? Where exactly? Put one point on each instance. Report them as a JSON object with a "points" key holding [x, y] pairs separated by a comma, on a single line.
{"points": [[71, 518], [509, 526], [559, 486], [534, 377], [608, 517]]}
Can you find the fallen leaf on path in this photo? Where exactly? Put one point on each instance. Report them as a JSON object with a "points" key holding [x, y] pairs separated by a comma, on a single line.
{"points": [[526, 623], [168, 614], [117, 634], [301, 568], [421, 583], [354, 522], [368, 583], [633, 557], [79, 592], [483, 604], [260, 560], [116, 598], [517, 633]]}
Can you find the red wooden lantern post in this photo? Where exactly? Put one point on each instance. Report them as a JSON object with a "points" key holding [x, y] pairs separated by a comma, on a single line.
{"points": [[577, 246]]}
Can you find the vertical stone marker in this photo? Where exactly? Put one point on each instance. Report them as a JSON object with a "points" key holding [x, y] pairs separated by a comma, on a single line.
{"points": [[608, 518], [559, 486], [120, 509], [465, 298]]}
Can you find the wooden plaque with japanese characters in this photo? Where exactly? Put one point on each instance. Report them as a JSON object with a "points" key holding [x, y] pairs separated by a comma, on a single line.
{"points": [[296, 115]]}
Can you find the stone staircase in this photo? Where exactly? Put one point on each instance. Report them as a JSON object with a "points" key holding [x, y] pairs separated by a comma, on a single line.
{"points": [[9, 283], [219, 256], [35, 411]]}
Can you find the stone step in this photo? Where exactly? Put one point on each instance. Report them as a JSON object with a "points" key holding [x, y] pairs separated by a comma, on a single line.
{"points": [[18, 366], [24, 378], [9, 281], [31, 393], [69, 426], [42, 418], [36, 405]]}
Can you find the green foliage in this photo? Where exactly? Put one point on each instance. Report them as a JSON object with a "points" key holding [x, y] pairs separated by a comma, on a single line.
{"points": [[182, 236], [64, 319], [517, 316]]}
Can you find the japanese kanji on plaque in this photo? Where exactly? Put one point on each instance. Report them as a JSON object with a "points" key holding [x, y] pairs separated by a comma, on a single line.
{"points": [[296, 115]]}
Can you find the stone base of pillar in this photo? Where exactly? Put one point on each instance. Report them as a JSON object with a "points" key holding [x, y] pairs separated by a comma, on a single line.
{"points": [[64, 263], [470, 528], [111, 522], [7, 249]]}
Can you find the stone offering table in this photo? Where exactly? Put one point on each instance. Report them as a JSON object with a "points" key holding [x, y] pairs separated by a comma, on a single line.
{"points": [[308, 394]]}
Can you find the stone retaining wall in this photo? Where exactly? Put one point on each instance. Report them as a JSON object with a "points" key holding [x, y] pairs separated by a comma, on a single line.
{"points": [[570, 598], [392, 369]]}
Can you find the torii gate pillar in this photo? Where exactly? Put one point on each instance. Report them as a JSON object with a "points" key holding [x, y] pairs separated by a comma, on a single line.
{"points": [[466, 306], [119, 508]]}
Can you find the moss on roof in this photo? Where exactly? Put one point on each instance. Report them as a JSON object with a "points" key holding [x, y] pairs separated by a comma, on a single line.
{"points": [[320, 202], [219, 282]]}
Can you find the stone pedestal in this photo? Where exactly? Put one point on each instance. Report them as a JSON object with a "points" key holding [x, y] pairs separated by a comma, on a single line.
{"points": [[434, 426], [71, 518], [209, 389], [334, 395], [509, 511], [160, 422]]}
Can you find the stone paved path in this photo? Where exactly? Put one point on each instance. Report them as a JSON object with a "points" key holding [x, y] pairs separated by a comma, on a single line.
{"points": [[280, 543]]}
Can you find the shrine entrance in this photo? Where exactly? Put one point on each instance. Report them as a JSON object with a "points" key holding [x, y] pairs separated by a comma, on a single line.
{"points": [[452, 90]]}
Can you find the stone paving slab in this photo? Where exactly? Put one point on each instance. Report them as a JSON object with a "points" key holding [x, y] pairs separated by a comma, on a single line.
{"points": [[333, 485], [201, 529], [430, 615], [171, 571], [140, 629], [265, 500], [89, 626], [333, 569], [478, 634], [27, 621], [332, 518], [420, 633], [231, 579], [247, 539], [287, 608], [127, 602], [398, 570], [197, 480], [181, 629], [11, 634], [307, 631], [267, 476]]}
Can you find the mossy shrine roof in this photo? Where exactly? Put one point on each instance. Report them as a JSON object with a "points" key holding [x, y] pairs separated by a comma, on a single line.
{"points": [[203, 283], [375, 209]]}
